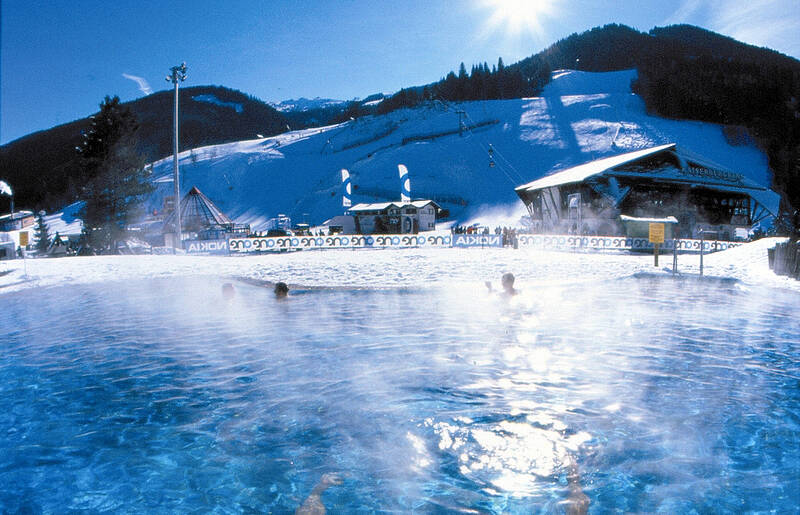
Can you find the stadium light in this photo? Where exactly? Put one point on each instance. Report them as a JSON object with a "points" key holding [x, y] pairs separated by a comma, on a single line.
{"points": [[177, 75]]}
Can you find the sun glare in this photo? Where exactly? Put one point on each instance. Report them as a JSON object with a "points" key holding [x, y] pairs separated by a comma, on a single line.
{"points": [[518, 17]]}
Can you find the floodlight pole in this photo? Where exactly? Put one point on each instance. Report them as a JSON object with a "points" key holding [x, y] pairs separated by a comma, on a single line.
{"points": [[177, 75]]}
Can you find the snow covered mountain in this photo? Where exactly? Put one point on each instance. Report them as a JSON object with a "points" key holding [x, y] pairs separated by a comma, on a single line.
{"points": [[449, 149], [305, 104]]}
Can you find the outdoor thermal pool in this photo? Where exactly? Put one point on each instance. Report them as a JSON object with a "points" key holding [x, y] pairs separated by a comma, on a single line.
{"points": [[163, 397]]}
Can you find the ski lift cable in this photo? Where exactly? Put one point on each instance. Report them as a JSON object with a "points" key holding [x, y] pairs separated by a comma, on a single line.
{"points": [[508, 163], [490, 150], [514, 181], [502, 168], [519, 177]]}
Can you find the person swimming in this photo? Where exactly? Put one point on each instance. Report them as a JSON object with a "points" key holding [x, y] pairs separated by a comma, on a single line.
{"points": [[507, 281], [313, 503], [577, 501], [281, 290], [508, 284]]}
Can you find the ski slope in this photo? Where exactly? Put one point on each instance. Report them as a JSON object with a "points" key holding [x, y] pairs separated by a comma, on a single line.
{"points": [[580, 116]]}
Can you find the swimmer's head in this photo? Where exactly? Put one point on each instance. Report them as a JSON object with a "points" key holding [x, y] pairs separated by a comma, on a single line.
{"points": [[508, 281], [281, 290]]}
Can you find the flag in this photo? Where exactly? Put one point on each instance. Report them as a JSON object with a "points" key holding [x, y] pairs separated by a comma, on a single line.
{"points": [[346, 202], [5, 189], [405, 184]]}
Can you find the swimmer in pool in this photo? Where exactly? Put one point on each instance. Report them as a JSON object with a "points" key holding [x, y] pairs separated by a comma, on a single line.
{"points": [[281, 290], [577, 501], [508, 285], [313, 503]]}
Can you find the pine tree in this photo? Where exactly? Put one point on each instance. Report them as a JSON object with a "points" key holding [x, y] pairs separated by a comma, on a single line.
{"points": [[462, 84], [42, 235], [114, 173]]}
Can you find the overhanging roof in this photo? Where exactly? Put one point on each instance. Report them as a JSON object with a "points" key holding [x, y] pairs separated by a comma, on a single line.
{"points": [[707, 175], [665, 220], [582, 172]]}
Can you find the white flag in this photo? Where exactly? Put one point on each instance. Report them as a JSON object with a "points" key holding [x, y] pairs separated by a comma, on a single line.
{"points": [[5, 189], [405, 184], [346, 202]]}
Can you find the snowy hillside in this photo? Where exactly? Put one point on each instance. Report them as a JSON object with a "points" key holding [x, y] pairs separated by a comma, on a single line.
{"points": [[305, 104], [580, 116]]}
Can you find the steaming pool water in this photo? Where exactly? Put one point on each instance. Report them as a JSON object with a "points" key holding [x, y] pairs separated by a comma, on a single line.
{"points": [[162, 397]]}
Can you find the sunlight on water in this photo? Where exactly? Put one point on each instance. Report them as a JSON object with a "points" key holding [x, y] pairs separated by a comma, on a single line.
{"points": [[662, 395]]}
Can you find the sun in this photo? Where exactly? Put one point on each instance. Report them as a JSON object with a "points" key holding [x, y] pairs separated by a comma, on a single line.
{"points": [[518, 17]]}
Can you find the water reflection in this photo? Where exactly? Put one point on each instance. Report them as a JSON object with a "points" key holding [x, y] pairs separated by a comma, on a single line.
{"points": [[665, 396]]}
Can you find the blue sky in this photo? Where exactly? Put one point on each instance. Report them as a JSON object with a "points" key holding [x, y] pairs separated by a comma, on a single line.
{"points": [[59, 58]]}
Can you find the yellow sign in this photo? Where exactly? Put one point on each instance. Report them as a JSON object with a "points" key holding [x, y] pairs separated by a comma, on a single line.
{"points": [[656, 233], [23, 239]]}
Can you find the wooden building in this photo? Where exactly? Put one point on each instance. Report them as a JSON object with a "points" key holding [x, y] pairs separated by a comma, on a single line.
{"points": [[17, 221], [656, 182], [395, 217]]}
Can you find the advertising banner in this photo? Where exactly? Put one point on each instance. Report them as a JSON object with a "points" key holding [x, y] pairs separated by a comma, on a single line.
{"points": [[566, 242], [206, 246], [477, 240], [339, 241]]}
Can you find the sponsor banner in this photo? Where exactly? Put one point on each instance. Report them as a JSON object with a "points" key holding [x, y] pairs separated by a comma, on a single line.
{"points": [[477, 240], [206, 246], [339, 241], [554, 241]]}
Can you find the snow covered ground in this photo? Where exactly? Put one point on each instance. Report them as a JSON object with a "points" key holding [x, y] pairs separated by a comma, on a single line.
{"points": [[393, 268]]}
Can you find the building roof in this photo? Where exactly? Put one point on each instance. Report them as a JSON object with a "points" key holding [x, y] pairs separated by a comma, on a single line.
{"points": [[582, 172], [386, 205], [16, 215], [694, 171], [198, 213], [665, 220]]}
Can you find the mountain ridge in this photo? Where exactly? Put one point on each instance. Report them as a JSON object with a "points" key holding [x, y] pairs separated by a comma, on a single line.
{"points": [[751, 89], [580, 116]]}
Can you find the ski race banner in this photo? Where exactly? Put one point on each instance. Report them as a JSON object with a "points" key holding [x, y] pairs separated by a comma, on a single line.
{"points": [[443, 240], [206, 246], [566, 242], [477, 240], [349, 241]]}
